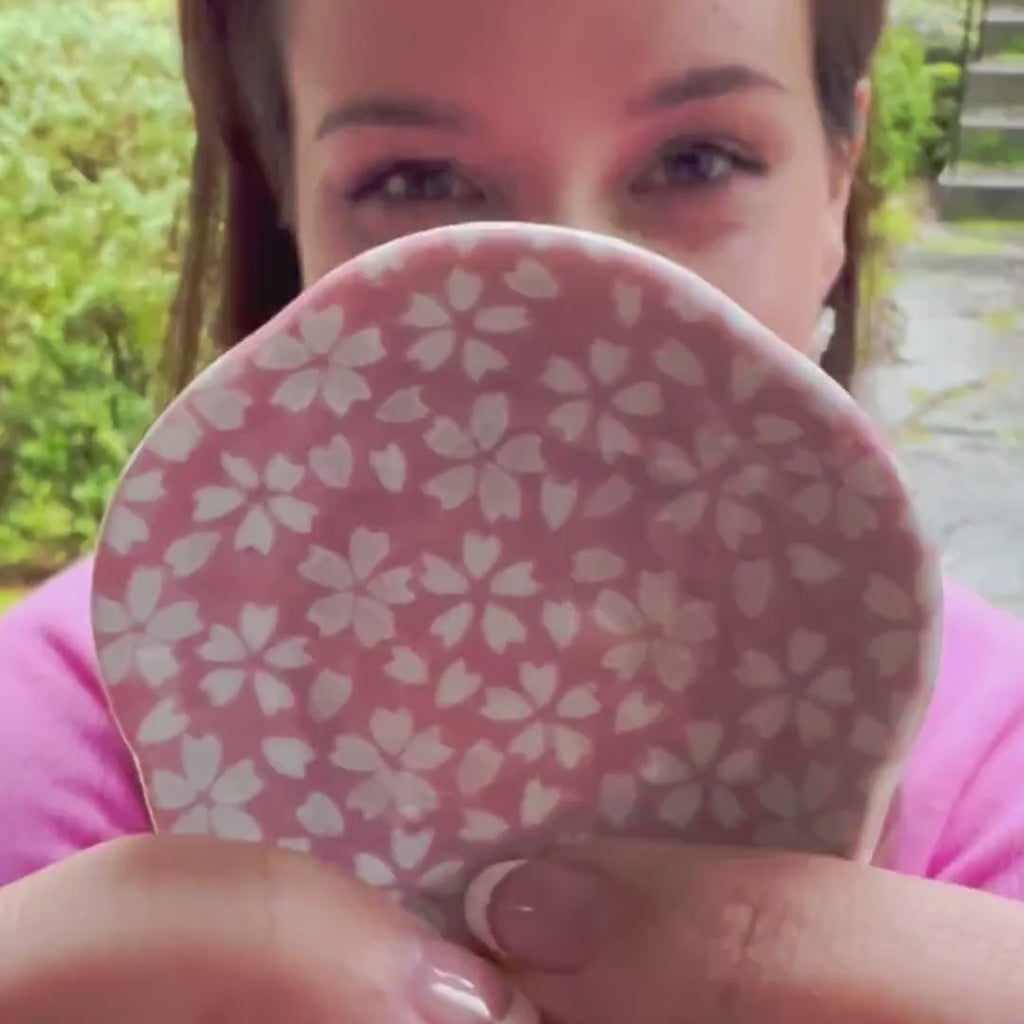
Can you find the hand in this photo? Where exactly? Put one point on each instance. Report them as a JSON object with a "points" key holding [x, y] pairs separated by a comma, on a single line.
{"points": [[621, 932], [183, 931]]}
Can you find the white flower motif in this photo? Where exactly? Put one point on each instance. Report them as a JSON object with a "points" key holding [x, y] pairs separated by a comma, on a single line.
{"points": [[267, 499], [894, 649], [375, 264], [544, 720], [713, 482], [599, 399], [852, 493], [479, 586], [489, 460], [877, 733], [408, 862], [662, 630], [806, 818], [394, 762], [125, 527], [361, 597], [320, 817], [212, 402], [248, 656], [711, 777], [212, 800], [139, 635], [321, 362], [807, 690], [454, 323]]}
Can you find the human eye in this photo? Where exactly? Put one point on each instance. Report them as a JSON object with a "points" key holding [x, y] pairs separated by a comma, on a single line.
{"points": [[401, 182], [701, 164]]}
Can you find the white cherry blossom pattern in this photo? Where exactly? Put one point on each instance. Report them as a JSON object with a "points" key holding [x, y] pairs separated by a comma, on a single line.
{"points": [[453, 683], [251, 655], [207, 798], [395, 761], [488, 461], [805, 814], [263, 501], [322, 362], [220, 397], [546, 722], [217, 401], [853, 496], [386, 259], [127, 527], [481, 590], [710, 776], [139, 636], [408, 864], [190, 554], [600, 398], [458, 325], [361, 595], [874, 735], [713, 482], [321, 817], [662, 629], [894, 607], [531, 279], [542, 554], [807, 690]]}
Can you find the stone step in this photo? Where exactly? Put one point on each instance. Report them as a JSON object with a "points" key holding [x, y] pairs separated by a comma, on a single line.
{"points": [[993, 137], [995, 83], [970, 193], [1002, 31]]}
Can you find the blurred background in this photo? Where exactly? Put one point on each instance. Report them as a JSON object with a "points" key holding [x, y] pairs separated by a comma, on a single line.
{"points": [[94, 155]]}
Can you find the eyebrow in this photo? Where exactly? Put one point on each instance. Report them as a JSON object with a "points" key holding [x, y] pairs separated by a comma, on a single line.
{"points": [[392, 112], [412, 112], [704, 84]]}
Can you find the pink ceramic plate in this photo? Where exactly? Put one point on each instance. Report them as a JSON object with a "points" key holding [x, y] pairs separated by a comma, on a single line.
{"points": [[504, 533]]}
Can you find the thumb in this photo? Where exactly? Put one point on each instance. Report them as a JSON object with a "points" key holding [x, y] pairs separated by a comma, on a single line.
{"points": [[634, 931], [173, 930]]}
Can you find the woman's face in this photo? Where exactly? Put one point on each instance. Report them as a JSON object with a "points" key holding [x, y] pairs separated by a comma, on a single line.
{"points": [[688, 126]]}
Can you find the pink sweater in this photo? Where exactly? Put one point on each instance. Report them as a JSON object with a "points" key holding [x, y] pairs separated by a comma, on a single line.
{"points": [[66, 781]]}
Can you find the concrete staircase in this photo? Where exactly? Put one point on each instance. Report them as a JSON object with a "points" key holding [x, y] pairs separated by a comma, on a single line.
{"points": [[987, 181]]}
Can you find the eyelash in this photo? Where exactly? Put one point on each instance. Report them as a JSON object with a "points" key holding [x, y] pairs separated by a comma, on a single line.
{"points": [[374, 186]]}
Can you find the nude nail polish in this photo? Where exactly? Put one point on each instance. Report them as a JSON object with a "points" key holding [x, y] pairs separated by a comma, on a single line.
{"points": [[451, 986]]}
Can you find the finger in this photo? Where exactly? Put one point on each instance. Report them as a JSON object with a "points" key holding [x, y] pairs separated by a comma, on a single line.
{"points": [[664, 934], [182, 931]]}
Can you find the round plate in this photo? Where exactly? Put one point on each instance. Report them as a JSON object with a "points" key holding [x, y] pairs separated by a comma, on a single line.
{"points": [[502, 534]]}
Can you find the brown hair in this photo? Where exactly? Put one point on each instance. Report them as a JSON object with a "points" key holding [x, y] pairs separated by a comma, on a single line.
{"points": [[239, 251]]}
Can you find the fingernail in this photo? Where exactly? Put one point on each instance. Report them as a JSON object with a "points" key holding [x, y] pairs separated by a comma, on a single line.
{"points": [[542, 917], [451, 986]]}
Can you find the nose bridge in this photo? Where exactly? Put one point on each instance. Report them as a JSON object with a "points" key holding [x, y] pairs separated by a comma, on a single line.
{"points": [[567, 199]]}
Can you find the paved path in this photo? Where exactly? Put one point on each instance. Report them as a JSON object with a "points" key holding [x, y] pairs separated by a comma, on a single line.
{"points": [[954, 400]]}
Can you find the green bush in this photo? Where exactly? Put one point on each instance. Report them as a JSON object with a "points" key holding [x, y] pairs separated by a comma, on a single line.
{"points": [[94, 146], [94, 149], [906, 136]]}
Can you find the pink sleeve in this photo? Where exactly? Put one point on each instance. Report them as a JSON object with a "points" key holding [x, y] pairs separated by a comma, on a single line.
{"points": [[963, 794], [66, 780]]}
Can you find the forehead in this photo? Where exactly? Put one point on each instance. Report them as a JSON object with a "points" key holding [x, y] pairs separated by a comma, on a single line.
{"points": [[554, 51]]}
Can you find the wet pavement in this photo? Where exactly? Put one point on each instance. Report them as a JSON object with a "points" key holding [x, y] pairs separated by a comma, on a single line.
{"points": [[952, 397]]}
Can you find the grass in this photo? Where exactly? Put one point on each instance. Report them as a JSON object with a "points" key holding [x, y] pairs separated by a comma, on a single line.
{"points": [[10, 596], [1001, 321], [974, 238]]}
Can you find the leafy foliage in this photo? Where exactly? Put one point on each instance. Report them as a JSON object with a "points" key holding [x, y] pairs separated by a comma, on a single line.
{"points": [[94, 146], [908, 138]]}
